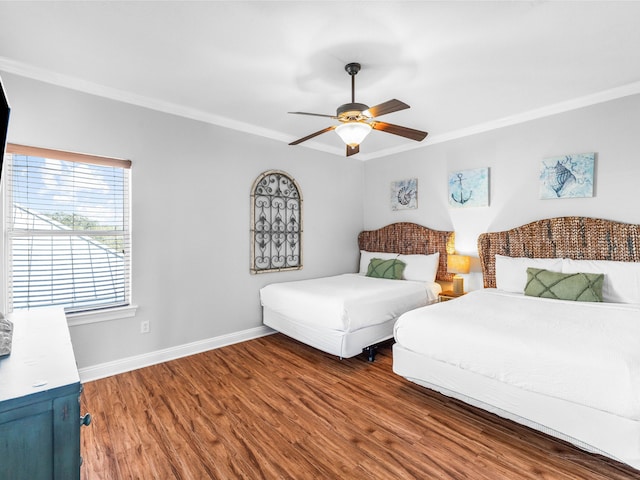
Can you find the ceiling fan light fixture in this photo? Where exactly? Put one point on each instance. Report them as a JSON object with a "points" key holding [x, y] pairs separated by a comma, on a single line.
{"points": [[353, 133]]}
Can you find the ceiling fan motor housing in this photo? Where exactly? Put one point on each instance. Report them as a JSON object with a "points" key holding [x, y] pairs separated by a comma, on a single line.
{"points": [[350, 112]]}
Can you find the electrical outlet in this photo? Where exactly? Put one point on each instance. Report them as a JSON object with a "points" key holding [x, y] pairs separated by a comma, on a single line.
{"points": [[144, 326]]}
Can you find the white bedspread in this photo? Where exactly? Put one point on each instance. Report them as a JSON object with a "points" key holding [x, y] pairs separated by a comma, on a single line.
{"points": [[587, 353], [347, 302]]}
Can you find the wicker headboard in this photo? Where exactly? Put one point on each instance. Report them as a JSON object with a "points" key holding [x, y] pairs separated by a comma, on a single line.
{"points": [[409, 239], [561, 237]]}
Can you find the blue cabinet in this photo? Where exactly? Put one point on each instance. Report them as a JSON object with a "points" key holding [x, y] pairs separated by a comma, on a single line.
{"points": [[39, 400]]}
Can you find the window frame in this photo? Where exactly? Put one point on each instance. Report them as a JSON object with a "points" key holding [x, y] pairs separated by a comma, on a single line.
{"points": [[95, 312]]}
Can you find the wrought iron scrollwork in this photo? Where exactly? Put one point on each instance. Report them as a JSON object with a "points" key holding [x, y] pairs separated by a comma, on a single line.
{"points": [[276, 224]]}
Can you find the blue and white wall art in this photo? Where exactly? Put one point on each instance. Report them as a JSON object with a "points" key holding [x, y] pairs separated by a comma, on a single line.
{"points": [[469, 188], [568, 176], [404, 194]]}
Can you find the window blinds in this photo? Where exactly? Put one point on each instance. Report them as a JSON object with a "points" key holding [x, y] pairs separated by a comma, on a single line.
{"points": [[67, 220]]}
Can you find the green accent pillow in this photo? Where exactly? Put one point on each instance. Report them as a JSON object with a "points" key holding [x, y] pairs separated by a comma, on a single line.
{"points": [[581, 287], [391, 269]]}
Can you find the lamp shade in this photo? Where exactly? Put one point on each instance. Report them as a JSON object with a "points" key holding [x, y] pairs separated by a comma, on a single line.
{"points": [[458, 263], [353, 133]]}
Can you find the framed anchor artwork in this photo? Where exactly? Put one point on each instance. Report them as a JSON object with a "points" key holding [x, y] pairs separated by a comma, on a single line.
{"points": [[469, 188]]}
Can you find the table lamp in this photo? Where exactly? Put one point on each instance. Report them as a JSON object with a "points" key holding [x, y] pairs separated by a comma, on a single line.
{"points": [[458, 264]]}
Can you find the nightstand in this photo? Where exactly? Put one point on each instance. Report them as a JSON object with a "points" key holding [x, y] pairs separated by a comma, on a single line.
{"points": [[448, 295]]}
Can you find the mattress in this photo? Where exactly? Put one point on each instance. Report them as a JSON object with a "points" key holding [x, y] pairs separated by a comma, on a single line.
{"points": [[585, 353], [347, 302]]}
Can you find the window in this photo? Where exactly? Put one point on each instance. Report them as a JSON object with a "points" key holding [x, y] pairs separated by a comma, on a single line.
{"points": [[276, 223], [66, 230]]}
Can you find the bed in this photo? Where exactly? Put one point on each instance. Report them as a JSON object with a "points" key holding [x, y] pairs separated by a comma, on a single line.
{"points": [[568, 368], [347, 314]]}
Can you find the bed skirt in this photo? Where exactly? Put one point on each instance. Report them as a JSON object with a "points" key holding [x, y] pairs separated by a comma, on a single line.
{"points": [[592, 430], [336, 342]]}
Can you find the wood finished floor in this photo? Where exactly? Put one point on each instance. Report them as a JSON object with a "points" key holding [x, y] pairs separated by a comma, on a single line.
{"points": [[273, 408]]}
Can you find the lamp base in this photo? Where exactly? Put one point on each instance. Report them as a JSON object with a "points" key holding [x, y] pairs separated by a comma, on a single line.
{"points": [[458, 285]]}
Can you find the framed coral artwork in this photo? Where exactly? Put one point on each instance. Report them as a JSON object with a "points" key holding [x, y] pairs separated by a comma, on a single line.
{"points": [[568, 176], [404, 194]]}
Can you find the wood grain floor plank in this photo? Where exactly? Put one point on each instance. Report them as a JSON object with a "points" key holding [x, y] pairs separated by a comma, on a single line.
{"points": [[273, 408], [96, 439]]}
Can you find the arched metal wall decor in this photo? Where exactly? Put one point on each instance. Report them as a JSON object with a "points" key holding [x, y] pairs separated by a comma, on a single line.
{"points": [[276, 223]]}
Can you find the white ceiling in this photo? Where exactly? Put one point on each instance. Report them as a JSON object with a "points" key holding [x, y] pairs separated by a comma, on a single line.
{"points": [[464, 67]]}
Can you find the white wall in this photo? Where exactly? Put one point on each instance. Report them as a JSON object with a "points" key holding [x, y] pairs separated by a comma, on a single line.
{"points": [[191, 185], [513, 155], [191, 210]]}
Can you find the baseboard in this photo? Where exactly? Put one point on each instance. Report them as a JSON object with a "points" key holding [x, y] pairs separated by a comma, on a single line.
{"points": [[95, 372]]}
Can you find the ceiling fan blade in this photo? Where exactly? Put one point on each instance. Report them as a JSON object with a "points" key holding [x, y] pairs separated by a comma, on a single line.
{"points": [[387, 107], [406, 132], [352, 150], [313, 114], [303, 139]]}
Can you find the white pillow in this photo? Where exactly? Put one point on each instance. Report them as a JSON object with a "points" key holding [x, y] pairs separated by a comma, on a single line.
{"points": [[419, 268], [621, 279], [511, 272]]}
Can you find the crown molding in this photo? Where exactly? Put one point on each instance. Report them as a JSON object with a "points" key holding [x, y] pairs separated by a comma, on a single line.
{"points": [[547, 111], [73, 83], [48, 76]]}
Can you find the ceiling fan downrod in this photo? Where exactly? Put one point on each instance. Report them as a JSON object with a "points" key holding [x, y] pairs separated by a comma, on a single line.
{"points": [[352, 111], [353, 69]]}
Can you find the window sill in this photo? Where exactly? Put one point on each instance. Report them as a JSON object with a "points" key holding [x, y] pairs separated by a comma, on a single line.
{"points": [[97, 316]]}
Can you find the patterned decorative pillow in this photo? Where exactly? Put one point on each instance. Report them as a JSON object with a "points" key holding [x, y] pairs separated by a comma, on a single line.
{"points": [[580, 287], [391, 268]]}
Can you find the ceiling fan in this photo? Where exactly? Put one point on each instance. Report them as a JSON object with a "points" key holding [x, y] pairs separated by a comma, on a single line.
{"points": [[357, 119]]}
